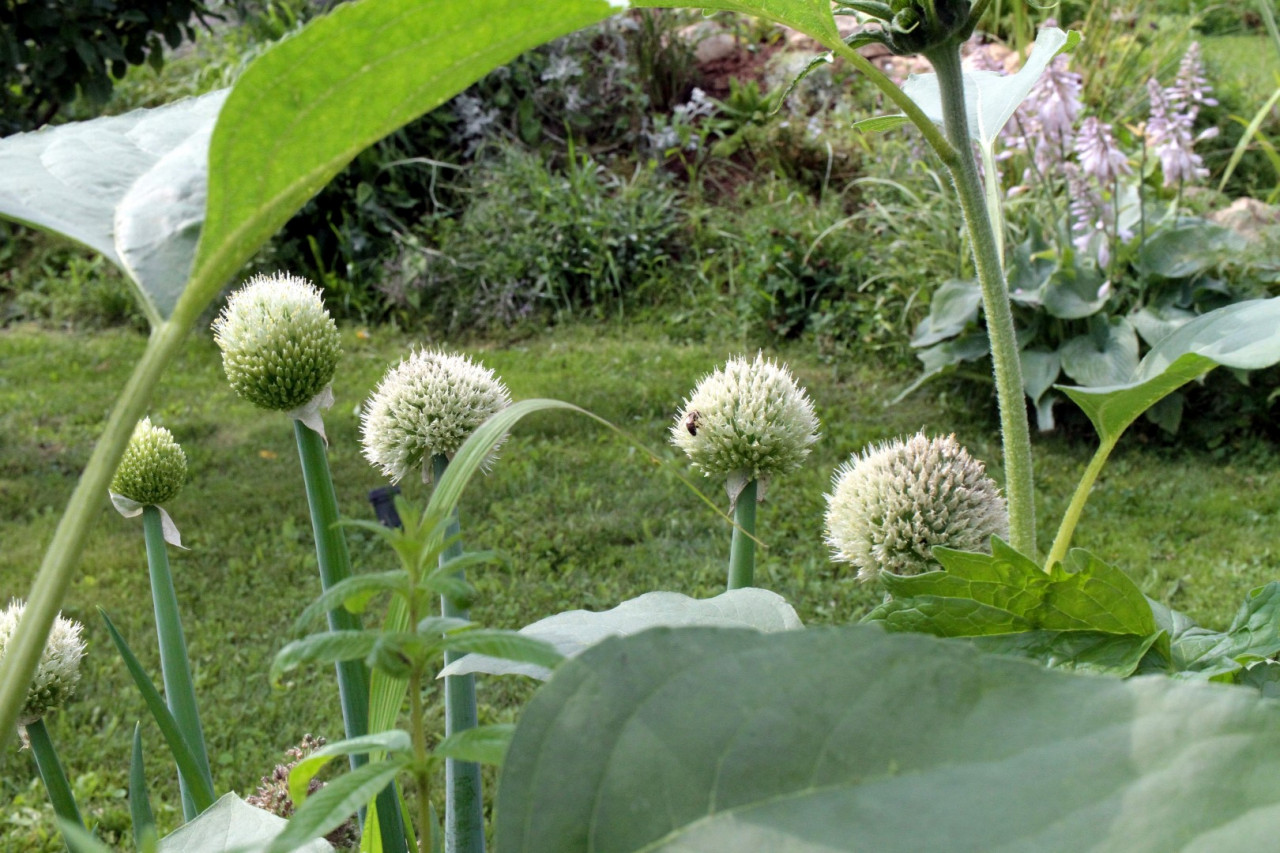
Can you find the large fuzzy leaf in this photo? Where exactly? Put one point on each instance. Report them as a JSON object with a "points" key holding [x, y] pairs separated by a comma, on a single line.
{"points": [[130, 186], [231, 824], [812, 17], [1244, 335], [576, 630], [852, 739]]}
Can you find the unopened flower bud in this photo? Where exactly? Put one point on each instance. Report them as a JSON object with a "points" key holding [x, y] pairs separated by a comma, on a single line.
{"points": [[279, 345], [153, 468]]}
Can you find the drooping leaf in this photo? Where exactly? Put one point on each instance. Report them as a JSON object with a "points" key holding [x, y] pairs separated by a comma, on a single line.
{"points": [[130, 186], [572, 632], [1188, 248], [1244, 335], [325, 647], [1195, 652], [327, 808], [231, 824], [990, 98], [1082, 651], [353, 593], [877, 742], [511, 646], [1007, 593], [1073, 292], [954, 306], [393, 741], [482, 744], [1040, 370]]}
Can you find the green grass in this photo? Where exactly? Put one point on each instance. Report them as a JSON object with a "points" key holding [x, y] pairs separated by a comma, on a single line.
{"points": [[585, 519]]}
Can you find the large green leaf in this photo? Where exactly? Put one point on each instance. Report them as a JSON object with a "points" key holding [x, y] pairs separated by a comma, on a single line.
{"points": [[1007, 593], [954, 306], [851, 739], [1189, 247], [811, 17], [1243, 335], [1190, 651], [574, 631], [1106, 355], [130, 186]]}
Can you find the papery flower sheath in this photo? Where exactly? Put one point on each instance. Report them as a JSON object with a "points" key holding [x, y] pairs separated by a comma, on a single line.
{"points": [[153, 468]]}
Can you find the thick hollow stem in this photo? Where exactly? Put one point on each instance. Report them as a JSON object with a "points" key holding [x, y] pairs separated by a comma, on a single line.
{"points": [[463, 805], [742, 550], [1016, 433], [22, 654], [1071, 517], [179, 692], [52, 774]]}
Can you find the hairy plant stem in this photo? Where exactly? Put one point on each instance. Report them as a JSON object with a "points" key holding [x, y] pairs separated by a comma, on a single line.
{"points": [[742, 549], [1015, 431], [463, 804], [179, 692], [22, 654], [1062, 541], [52, 774], [418, 733]]}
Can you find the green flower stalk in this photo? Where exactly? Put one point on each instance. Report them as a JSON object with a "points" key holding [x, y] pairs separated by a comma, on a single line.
{"points": [[427, 406], [153, 471], [54, 684], [748, 422], [280, 350], [897, 501], [420, 414]]}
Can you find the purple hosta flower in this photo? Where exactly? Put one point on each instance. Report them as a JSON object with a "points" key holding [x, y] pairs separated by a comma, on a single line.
{"points": [[1099, 155], [1191, 88], [1090, 215], [1169, 131], [1044, 125]]}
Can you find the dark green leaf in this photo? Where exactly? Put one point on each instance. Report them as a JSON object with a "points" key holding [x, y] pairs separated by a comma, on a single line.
{"points": [[1083, 651], [1188, 248], [327, 647], [954, 306], [1075, 292], [891, 743], [353, 593], [327, 808], [507, 645], [144, 821], [394, 741], [1105, 356]]}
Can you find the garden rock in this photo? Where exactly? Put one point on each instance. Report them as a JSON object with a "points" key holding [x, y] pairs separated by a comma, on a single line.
{"points": [[1248, 217]]}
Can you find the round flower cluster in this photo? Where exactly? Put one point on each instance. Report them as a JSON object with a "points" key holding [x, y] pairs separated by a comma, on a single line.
{"points": [[59, 668], [279, 345], [427, 405], [153, 467], [749, 419], [897, 501]]}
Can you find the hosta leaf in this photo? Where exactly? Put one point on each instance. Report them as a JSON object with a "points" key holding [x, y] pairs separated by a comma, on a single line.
{"points": [[1244, 335], [576, 630], [1155, 322], [1190, 247], [130, 186], [1075, 292], [852, 739], [954, 306], [1104, 356]]}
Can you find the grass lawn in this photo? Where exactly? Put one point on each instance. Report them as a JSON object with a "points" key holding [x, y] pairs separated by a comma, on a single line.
{"points": [[585, 519]]}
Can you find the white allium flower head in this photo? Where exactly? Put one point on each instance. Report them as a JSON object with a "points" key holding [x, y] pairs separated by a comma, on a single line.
{"points": [[153, 468], [59, 669], [748, 420], [895, 502], [279, 345], [428, 404]]}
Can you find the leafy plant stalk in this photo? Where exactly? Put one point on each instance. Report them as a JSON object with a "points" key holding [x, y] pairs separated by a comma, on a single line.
{"points": [[52, 774], [1015, 430], [418, 733], [742, 549], [464, 806], [175, 667]]}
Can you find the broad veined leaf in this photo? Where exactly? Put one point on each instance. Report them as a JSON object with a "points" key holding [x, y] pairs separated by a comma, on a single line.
{"points": [[1081, 651], [1187, 248], [954, 306], [1007, 593], [1104, 356], [811, 17], [1245, 335], [1195, 652], [1074, 292], [990, 98], [1040, 370], [231, 824], [851, 739], [576, 630], [130, 186], [1155, 322], [946, 356]]}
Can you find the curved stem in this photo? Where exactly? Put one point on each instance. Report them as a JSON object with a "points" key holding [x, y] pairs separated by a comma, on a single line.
{"points": [[1016, 433], [464, 804], [52, 774], [1071, 517], [742, 550], [22, 654], [179, 693]]}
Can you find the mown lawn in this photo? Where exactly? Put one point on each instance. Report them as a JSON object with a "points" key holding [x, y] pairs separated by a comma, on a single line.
{"points": [[584, 518]]}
